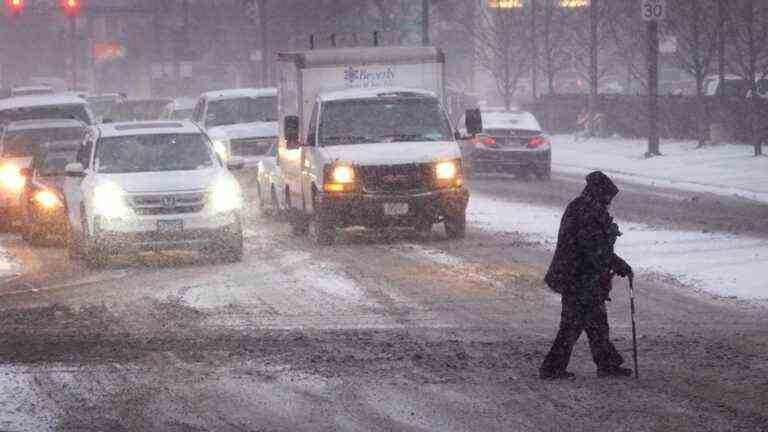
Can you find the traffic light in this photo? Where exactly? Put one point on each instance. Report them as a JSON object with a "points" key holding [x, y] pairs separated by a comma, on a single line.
{"points": [[71, 7], [15, 6]]}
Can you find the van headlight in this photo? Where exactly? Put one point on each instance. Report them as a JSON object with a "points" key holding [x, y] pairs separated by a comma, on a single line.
{"points": [[225, 196], [446, 170], [109, 201], [220, 147], [340, 178], [47, 199], [11, 178]]}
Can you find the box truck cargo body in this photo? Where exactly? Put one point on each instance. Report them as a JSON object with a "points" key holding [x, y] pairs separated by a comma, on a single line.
{"points": [[364, 140]]}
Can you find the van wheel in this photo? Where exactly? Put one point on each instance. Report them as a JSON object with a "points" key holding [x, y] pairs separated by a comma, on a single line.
{"points": [[321, 229], [423, 226], [95, 258], [456, 225], [277, 212], [299, 223], [74, 245]]}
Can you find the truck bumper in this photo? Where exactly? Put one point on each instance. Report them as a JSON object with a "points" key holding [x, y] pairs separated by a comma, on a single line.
{"points": [[380, 210]]}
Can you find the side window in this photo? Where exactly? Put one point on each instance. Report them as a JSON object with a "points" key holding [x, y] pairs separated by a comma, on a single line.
{"points": [[312, 132], [84, 154]]}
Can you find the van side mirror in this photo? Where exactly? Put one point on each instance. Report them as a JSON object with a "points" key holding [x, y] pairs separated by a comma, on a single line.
{"points": [[235, 163], [74, 169], [291, 130], [474, 122]]}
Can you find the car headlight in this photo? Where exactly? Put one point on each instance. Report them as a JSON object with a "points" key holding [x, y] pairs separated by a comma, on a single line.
{"points": [[220, 147], [109, 201], [11, 178], [47, 199], [446, 170], [343, 174], [225, 196]]}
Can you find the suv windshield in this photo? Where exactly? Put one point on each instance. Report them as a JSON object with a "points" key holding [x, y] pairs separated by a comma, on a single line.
{"points": [[52, 161], [383, 120], [242, 110], [149, 153], [22, 143]]}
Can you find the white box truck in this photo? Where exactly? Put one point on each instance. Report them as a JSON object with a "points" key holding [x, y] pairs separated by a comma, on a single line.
{"points": [[364, 140]]}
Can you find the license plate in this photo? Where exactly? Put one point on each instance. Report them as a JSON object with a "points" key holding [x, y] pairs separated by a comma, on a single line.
{"points": [[170, 226], [395, 209]]}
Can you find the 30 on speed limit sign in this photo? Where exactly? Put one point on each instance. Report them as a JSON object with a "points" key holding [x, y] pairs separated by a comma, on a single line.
{"points": [[653, 10]]}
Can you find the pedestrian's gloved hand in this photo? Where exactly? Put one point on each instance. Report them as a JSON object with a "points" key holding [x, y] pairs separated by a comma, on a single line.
{"points": [[623, 269]]}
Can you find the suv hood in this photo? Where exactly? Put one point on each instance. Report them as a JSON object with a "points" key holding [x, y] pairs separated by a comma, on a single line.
{"points": [[244, 130], [164, 181], [392, 152]]}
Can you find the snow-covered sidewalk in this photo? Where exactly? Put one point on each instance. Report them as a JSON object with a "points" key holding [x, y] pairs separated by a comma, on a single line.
{"points": [[722, 264], [9, 268], [726, 169]]}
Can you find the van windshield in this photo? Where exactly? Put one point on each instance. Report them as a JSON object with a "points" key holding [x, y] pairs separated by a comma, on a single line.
{"points": [[382, 120], [241, 110], [53, 161], [22, 143], [150, 153]]}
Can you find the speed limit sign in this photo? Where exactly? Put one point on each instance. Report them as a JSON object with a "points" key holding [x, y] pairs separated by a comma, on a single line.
{"points": [[653, 10]]}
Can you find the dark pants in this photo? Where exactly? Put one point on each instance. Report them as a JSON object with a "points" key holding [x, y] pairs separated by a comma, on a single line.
{"points": [[575, 318]]}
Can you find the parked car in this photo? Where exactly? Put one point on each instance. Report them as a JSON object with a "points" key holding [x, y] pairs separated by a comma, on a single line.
{"points": [[734, 86], [18, 143], [103, 104], [270, 184], [148, 186], [43, 211], [511, 142], [179, 109]]}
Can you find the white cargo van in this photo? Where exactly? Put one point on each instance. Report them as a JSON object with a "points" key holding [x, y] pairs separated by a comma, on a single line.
{"points": [[364, 141]]}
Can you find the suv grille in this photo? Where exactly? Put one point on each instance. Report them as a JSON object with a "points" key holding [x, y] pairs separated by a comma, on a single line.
{"points": [[251, 146], [165, 204], [396, 178]]}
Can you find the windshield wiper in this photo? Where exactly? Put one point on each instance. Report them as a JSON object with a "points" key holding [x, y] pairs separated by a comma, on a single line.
{"points": [[409, 137]]}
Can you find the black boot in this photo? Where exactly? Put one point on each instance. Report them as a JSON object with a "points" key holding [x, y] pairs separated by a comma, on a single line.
{"points": [[614, 371], [554, 375]]}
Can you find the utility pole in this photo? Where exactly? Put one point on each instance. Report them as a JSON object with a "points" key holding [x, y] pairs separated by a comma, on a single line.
{"points": [[653, 11], [534, 50], [653, 89], [264, 42], [73, 41], [425, 22], [721, 11], [592, 102]]}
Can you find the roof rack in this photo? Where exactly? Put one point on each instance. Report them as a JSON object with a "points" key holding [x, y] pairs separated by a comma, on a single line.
{"points": [[347, 40]]}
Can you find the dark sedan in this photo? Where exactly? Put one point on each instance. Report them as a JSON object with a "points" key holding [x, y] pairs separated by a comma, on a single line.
{"points": [[511, 142]]}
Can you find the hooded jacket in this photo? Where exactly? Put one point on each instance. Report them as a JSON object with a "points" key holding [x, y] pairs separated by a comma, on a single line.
{"points": [[584, 254]]}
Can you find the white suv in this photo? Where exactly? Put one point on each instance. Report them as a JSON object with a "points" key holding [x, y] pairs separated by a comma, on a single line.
{"points": [[152, 186]]}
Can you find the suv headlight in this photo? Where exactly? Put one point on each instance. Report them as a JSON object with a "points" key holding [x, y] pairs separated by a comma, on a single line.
{"points": [[225, 196], [446, 170], [109, 201]]}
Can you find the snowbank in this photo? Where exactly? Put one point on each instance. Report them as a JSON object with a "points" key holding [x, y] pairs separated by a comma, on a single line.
{"points": [[8, 266], [722, 264], [723, 169]]}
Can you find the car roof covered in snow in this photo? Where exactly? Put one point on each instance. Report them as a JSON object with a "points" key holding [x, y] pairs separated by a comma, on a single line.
{"points": [[372, 93], [510, 120], [155, 127], [40, 101], [240, 93], [44, 124]]}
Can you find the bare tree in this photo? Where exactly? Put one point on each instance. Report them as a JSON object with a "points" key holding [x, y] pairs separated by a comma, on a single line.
{"points": [[749, 53], [502, 46], [556, 51], [694, 25]]}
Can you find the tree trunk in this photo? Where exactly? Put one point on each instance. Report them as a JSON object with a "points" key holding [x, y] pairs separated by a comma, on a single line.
{"points": [[594, 4], [548, 47]]}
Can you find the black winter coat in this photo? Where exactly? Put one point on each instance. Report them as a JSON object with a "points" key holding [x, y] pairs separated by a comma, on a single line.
{"points": [[584, 258]]}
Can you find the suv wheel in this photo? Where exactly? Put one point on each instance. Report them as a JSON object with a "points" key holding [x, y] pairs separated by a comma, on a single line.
{"points": [[456, 225]]}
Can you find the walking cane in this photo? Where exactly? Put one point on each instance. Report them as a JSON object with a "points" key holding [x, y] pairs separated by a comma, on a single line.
{"points": [[632, 312]]}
